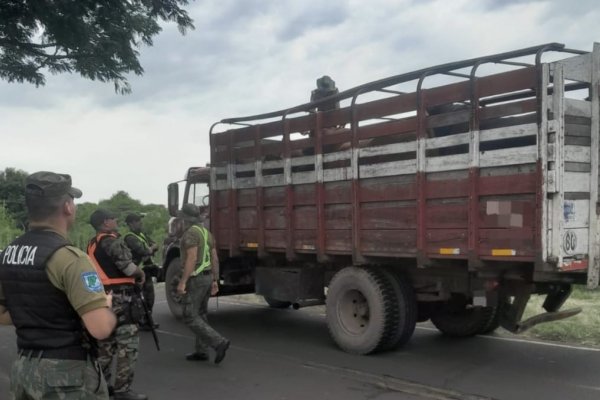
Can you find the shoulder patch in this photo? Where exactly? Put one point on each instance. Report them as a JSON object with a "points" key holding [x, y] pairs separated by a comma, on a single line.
{"points": [[91, 281]]}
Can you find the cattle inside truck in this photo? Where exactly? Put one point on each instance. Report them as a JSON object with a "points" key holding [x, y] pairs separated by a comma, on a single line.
{"points": [[452, 202]]}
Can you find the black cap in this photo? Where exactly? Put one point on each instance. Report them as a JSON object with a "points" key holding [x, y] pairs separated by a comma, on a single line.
{"points": [[189, 212], [99, 216], [132, 217], [50, 184]]}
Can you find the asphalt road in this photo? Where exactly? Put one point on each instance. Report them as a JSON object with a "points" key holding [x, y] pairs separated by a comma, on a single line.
{"points": [[287, 354]]}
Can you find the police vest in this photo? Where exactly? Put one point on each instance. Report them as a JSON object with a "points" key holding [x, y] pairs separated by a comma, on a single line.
{"points": [[137, 258], [107, 270], [43, 317], [205, 262]]}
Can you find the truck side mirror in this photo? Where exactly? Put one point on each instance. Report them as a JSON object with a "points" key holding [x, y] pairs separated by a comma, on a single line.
{"points": [[173, 199]]}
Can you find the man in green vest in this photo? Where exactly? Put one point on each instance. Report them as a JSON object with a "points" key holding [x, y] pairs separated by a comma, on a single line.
{"points": [[200, 280], [142, 249]]}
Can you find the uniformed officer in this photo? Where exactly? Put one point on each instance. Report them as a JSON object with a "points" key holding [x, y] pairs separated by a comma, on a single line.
{"points": [[52, 294], [118, 274], [198, 282], [142, 249]]}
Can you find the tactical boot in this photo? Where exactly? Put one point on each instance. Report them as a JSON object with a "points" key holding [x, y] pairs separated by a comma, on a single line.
{"points": [[129, 395], [221, 350]]}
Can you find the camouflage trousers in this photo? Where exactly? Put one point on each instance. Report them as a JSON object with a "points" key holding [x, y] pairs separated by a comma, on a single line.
{"points": [[122, 346], [35, 378], [195, 309]]}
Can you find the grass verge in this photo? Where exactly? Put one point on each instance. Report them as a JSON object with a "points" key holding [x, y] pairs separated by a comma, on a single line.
{"points": [[583, 328]]}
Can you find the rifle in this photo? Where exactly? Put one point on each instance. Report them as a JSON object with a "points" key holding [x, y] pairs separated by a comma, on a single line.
{"points": [[147, 314]]}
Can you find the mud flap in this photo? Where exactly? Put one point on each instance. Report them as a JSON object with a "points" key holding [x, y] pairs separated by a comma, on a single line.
{"points": [[522, 326], [513, 312]]}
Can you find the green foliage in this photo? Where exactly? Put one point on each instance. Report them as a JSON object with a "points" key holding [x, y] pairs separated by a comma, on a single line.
{"points": [[8, 232], [13, 214], [154, 222], [99, 39], [12, 195]]}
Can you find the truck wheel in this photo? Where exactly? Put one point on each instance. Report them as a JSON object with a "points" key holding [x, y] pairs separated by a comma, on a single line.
{"points": [[277, 304], [493, 320], [362, 310], [461, 320], [407, 309], [172, 279]]}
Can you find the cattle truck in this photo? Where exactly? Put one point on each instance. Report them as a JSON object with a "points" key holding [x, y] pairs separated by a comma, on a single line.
{"points": [[451, 194]]}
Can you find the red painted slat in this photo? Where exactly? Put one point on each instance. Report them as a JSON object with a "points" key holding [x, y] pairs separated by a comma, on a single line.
{"points": [[454, 92], [390, 242], [388, 215], [506, 82], [446, 189], [388, 188], [403, 126], [507, 184], [389, 106], [447, 238], [447, 216], [521, 240]]}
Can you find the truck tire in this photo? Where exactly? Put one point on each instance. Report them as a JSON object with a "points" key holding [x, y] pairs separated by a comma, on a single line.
{"points": [[172, 278], [493, 320], [362, 310], [461, 321], [407, 309], [276, 303]]}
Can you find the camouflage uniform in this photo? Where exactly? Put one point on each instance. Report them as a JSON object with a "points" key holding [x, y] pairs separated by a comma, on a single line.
{"points": [[139, 244], [123, 345], [48, 378], [195, 301]]}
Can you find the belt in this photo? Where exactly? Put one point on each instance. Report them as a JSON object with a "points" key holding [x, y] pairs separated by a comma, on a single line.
{"points": [[68, 353], [124, 289]]}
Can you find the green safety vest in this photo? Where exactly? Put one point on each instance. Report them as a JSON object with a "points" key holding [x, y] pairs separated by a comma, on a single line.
{"points": [[205, 262], [142, 237]]}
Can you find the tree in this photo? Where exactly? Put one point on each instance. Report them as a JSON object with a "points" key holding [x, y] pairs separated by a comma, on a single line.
{"points": [[8, 232], [12, 195], [99, 39]]}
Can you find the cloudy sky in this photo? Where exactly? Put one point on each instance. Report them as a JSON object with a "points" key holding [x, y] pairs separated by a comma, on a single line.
{"points": [[248, 57]]}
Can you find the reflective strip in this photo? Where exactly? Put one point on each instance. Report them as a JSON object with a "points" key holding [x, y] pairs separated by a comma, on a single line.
{"points": [[449, 251], [252, 245], [504, 252]]}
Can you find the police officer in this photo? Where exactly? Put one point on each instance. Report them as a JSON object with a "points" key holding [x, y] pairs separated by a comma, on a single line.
{"points": [[142, 249], [198, 282], [51, 292], [118, 274]]}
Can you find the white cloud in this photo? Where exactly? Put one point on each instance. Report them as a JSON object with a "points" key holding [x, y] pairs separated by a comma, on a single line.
{"points": [[252, 57]]}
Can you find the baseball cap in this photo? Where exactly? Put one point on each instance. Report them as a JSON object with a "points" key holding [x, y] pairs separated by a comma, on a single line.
{"points": [[189, 212], [50, 184], [132, 217], [99, 216]]}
